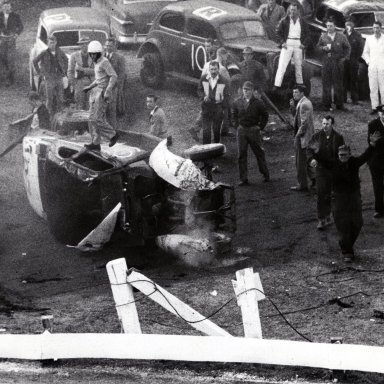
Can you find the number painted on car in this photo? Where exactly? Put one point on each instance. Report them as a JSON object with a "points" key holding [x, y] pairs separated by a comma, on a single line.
{"points": [[198, 57], [209, 13]]}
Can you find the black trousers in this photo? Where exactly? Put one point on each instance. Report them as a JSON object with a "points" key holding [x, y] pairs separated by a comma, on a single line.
{"points": [[324, 192], [377, 175], [351, 84], [211, 120], [333, 75], [348, 219]]}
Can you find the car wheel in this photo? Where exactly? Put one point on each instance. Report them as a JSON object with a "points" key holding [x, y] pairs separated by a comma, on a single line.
{"points": [[204, 152], [152, 70]]}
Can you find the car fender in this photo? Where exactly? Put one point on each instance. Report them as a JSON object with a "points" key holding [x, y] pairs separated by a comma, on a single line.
{"points": [[151, 45]]}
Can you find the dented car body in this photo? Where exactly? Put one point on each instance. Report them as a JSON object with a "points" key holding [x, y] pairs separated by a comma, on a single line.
{"points": [[138, 185]]}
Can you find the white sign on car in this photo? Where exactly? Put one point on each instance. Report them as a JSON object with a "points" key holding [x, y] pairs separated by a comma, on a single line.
{"points": [[209, 13]]}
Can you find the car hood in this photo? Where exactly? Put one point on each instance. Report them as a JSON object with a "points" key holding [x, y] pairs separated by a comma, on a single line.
{"points": [[257, 44]]}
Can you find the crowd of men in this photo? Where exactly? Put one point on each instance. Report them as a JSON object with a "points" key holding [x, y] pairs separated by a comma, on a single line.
{"points": [[231, 94]]}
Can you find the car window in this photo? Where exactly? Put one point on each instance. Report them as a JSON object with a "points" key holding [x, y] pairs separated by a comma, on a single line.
{"points": [[201, 28], [324, 13], [363, 19], [43, 35], [67, 38], [94, 35], [242, 29], [70, 38], [173, 21]]}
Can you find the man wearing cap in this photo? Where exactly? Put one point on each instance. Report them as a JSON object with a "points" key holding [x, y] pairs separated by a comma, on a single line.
{"points": [[52, 64], [214, 91], [118, 64], [101, 93], [80, 73], [346, 205], [250, 116], [293, 33], [373, 55], [335, 50], [271, 14], [329, 140], [376, 163], [351, 65], [302, 110], [10, 28], [251, 70]]}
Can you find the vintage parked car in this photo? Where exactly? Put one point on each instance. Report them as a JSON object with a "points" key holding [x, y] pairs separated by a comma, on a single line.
{"points": [[175, 45], [138, 187], [68, 25], [130, 19]]}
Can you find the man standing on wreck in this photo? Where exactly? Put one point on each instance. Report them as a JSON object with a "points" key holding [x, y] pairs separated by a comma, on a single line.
{"points": [[101, 94]]}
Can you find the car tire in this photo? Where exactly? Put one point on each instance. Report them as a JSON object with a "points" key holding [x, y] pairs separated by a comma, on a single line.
{"points": [[152, 70], [204, 151]]}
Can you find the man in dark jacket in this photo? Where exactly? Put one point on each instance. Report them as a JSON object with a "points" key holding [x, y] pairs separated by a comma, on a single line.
{"points": [[351, 65], [214, 92], [10, 28], [376, 163], [336, 49], [250, 116], [328, 141], [346, 189], [52, 64], [293, 33]]}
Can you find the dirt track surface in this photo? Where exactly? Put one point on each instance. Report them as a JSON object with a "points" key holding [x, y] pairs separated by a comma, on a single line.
{"points": [[300, 268]]}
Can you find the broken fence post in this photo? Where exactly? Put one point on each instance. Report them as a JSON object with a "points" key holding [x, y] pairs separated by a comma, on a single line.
{"points": [[123, 296], [248, 290]]}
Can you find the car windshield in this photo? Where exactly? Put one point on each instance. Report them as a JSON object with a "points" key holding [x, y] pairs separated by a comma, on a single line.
{"points": [[70, 38], [242, 29]]}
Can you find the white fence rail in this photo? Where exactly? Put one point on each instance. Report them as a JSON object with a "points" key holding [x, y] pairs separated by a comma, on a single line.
{"points": [[192, 348]]}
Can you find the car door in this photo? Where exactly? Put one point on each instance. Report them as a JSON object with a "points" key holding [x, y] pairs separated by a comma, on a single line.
{"points": [[171, 25], [198, 31]]}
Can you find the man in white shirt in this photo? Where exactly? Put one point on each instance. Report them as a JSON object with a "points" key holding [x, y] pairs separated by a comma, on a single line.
{"points": [[293, 33], [373, 55]]}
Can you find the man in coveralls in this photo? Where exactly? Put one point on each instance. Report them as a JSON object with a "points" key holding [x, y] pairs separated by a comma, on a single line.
{"points": [[336, 50]]}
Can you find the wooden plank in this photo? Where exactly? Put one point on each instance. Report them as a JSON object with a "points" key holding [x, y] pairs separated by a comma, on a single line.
{"points": [[174, 305], [247, 288], [123, 296], [193, 348]]}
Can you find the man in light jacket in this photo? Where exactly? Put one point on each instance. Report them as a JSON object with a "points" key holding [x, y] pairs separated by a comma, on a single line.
{"points": [[81, 73], [304, 129]]}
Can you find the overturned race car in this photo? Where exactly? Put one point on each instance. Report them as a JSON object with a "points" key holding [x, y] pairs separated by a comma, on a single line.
{"points": [[137, 187]]}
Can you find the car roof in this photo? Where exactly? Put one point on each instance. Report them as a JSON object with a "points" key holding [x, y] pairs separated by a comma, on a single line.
{"points": [[69, 18], [224, 12], [352, 6]]}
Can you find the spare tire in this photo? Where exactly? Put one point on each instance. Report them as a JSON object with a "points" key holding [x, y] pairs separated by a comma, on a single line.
{"points": [[204, 151]]}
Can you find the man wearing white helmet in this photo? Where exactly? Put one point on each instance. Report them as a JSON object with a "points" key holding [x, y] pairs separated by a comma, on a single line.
{"points": [[101, 94]]}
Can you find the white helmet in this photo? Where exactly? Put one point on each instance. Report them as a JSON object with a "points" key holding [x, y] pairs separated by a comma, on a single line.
{"points": [[95, 47]]}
